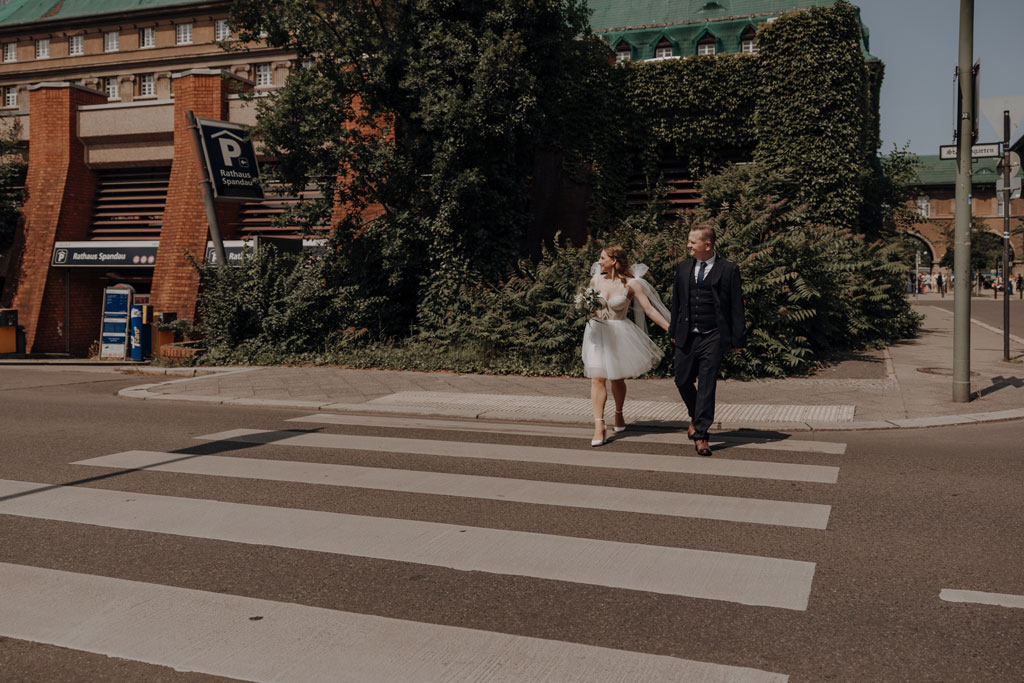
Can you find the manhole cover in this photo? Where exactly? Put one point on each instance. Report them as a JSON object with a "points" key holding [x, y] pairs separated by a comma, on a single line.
{"points": [[945, 372]]}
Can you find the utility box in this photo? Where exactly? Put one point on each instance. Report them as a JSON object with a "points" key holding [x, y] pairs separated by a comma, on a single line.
{"points": [[8, 330]]}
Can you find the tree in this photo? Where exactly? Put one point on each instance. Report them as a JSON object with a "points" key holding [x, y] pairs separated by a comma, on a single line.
{"points": [[431, 110], [986, 248], [12, 180]]}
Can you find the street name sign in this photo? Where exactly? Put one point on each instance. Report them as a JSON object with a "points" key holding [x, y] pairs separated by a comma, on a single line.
{"points": [[230, 160], [980, 151]]}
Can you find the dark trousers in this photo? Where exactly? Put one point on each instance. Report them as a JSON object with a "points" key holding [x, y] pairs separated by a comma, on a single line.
{"points": [[698, 361]]}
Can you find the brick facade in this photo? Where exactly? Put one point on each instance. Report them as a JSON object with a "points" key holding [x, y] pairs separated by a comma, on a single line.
{"points": [[59, 195], [185, 228]]}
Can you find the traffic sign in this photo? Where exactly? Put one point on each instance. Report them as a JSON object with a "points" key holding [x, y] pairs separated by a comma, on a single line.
{"points": [[230, 160], [980, 151], [1014, 164]]}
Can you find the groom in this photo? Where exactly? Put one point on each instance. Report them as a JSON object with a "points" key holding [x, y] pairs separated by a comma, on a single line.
{"points": [[707, 320]]}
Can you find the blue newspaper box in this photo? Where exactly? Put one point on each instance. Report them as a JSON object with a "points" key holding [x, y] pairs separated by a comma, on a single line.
{"points": [[141, 335]]}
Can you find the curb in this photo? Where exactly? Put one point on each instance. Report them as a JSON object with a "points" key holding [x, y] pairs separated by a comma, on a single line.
{"points": [[141, 392]]}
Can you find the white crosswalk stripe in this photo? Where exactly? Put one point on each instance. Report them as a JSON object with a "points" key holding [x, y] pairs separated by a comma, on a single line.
{"points": [[745, 579], [722, 467], [213, 633], [750, 510]]}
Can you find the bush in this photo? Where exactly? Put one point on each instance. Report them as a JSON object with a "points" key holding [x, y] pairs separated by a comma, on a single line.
{"points": [[809, 290]]}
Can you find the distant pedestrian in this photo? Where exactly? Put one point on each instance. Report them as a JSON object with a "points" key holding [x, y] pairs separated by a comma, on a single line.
{"points": [[707, 321], [941, 283], [1020, 286], [614, 347]]}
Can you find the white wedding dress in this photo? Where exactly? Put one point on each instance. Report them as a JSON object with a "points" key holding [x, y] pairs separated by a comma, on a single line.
{"points": [[615, 347]]}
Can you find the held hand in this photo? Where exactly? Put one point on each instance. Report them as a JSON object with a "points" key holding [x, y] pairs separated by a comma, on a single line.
{"points": [[735, 351]]}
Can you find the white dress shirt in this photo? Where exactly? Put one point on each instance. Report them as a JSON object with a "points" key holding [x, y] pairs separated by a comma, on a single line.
{"points": [[707, 269]]}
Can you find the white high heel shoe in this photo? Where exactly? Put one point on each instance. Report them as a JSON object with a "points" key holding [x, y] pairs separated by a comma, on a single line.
{"points": [[618, 430], [601, 441]]}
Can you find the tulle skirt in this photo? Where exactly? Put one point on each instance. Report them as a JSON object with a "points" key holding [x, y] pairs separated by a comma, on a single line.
{"points": [[616, 349]]}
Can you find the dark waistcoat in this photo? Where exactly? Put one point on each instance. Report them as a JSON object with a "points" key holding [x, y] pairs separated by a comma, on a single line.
{"points": [[702, 306]]}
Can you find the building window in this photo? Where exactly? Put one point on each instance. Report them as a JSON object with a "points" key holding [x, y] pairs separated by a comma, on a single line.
{"points": [[924, 206], [706, 46], [76, 45], [147, 37], [147, 85], [11, 97], [110, 41], [110, 85], [748, 42], [1000, 203], [221, 30], [10, 52], [622, 53], [183, 33], [43, 48], [264, 77], [664, 49]]}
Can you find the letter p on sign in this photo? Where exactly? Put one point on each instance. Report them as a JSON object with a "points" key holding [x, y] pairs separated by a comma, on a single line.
{"points": [[229, 149]]}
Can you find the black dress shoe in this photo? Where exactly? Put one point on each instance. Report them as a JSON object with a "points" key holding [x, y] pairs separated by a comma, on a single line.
{"points": [[702, 446]]}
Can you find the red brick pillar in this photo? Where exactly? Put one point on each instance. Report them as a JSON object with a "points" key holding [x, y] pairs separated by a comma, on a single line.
{"points": [[59, 196], [185, 229]]}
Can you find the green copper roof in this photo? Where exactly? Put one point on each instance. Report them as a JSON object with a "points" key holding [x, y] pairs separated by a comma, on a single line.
{"points": [[27, 11], [612, 14], [935, 171], [643, 23]]}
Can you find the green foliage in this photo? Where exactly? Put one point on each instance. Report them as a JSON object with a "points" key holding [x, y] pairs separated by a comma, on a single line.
{"points": [[986, 248], [812, 117], [433, 111], [699, 110], [12, 179], [809, 290], [428, 109]]}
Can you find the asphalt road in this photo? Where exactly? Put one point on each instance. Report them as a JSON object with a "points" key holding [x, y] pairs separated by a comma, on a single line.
{"points": [[989, 311], [911, 513]]}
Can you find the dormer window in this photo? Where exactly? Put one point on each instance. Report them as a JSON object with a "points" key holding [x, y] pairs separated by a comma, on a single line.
{"points": [[622, 53], [706, 45], [748, 42], [663, 49]]}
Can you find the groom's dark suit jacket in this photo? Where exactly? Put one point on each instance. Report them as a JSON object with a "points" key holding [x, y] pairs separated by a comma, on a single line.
{"points": [[728, 297]]}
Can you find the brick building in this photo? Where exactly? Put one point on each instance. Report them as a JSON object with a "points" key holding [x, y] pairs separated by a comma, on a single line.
{"points": [[935, 187], [100, 89]]}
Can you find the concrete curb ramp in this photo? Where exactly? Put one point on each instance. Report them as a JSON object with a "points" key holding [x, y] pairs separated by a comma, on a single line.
{"points": [[570, 410]]}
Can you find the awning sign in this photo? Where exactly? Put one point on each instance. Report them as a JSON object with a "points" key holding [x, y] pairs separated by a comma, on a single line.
{"points": [[234, 250], [124, 254], [230, 160]]}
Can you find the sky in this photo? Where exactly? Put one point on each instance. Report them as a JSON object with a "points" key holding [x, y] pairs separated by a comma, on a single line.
{"points": [[918, 42]]}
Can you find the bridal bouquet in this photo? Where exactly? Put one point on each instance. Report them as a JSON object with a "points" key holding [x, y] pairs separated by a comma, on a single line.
{"points": [[588, 300]]}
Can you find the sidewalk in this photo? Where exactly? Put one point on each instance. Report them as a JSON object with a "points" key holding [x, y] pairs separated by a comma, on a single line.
{"points": [[908, 385]]}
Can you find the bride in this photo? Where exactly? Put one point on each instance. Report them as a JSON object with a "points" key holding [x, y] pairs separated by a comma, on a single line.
{"points": [[613, 346]]}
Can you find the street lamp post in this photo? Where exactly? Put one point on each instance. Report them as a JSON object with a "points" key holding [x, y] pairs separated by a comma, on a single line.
{"points": [[962, 226]]}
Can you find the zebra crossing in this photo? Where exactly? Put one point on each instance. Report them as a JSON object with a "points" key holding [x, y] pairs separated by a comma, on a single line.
{"points": [[249, 638]]}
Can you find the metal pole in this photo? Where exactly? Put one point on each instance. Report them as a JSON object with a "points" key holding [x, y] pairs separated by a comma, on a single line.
{"points": [[1006, 235], [206, 188], [962, 228]]}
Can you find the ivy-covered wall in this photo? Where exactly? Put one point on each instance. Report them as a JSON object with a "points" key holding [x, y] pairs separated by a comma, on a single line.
{"points": [[805, 106]]}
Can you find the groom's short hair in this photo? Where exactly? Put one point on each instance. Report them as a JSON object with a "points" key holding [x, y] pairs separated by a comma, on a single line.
{"points": [[707, 232]]}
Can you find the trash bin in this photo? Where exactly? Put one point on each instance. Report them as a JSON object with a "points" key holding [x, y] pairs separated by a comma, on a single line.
{"points": [[8, 330]]}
